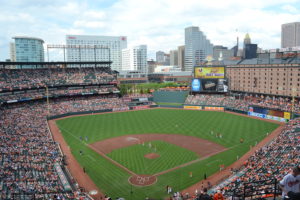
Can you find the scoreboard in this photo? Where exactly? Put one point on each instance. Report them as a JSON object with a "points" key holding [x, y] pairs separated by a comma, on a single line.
{"points": [[209, 79]]}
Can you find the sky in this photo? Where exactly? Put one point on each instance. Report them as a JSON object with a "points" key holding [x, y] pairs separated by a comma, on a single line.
{"points": [[157, 23]]}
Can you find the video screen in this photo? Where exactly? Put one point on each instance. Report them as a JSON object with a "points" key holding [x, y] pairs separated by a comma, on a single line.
{"points": [[209, 84]]}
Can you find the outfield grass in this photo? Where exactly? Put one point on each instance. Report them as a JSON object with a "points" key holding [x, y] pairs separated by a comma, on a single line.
{"points": [[114, 181], [171, 155]]}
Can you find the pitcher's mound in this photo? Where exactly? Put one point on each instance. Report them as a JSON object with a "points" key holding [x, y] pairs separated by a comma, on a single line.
{"points": [[151, 155]]}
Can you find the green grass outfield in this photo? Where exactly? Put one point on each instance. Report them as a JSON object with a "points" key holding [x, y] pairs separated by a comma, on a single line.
{"points": [[114, 181]]}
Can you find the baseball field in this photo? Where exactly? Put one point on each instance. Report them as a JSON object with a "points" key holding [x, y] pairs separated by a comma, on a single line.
{"points": [[136, 154]]}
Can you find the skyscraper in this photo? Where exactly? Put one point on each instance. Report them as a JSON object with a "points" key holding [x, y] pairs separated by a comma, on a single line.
{"points": [[135, 59], [181, 57], [197, 47], [247, 39], [174, 57], [249, 50], [114, 45], [290, 35], [12, 51], [28, 49], [160, 56]]}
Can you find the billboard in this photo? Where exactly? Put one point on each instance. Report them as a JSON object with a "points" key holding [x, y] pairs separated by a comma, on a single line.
{"points": [[209, 72], [264, 116], [210, 85], [214, 108], [287, 115], [222, 85], [193, 107], [196, 85], [267, 111]]}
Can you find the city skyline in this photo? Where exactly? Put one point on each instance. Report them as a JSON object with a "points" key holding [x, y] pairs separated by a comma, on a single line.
{"points": [[220, 21]]}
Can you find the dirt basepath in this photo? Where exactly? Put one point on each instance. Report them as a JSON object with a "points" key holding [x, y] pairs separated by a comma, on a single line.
{"points": [[224, 174], [200, 146], [73, 166], [84, 180]]}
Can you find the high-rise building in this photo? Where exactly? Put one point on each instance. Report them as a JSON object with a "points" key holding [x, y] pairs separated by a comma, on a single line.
{"points": [[250, 50], [166, 59], [160, 56], [181, 57], [226, 53], [135, 59], [290, 35], [151, 66], [174, 57], [197, 47], [247, 39], [113, 53], [27, 49], [12, 51]]}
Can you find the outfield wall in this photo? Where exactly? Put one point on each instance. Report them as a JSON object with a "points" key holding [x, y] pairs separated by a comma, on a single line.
{"points": [[213, 108]]}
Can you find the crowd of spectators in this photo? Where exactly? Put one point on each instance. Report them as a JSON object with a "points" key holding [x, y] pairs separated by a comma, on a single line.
{"points": [[55, 92], [27, 151], [138, 95], [271, 162], [243, 103], [81, 104], [175, 89], [28, 154], [37, 78]]}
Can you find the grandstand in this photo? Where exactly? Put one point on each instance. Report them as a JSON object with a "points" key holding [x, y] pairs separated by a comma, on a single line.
{"points": [[33, 166]]}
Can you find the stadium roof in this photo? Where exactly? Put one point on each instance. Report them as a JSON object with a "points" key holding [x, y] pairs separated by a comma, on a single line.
{"points": [[3, 64]]}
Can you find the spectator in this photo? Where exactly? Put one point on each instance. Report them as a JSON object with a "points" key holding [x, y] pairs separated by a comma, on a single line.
{"points": [[218, 196], [291, 182], [204, 195]]}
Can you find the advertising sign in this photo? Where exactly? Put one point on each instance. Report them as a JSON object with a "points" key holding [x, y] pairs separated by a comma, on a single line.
{"points": [[196, 85], [209, 72], [193, 107], [287, 115]]}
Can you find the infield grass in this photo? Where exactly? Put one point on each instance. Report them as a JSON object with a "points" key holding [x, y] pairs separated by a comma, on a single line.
{"points": [[171, 155], [114, 181]]}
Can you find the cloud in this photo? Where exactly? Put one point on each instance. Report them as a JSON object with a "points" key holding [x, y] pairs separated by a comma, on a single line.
{"points": [[290, 8], [157, 23]]}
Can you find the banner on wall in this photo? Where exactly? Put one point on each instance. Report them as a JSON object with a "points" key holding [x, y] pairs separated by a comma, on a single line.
{"points": [[287, 115], [193, 107], [214, 108], [264, 116]]}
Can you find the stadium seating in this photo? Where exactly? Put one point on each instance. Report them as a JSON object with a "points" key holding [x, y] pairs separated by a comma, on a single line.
{"points": [[272, 161], [28, 153], [36, 78], [243, 103]]}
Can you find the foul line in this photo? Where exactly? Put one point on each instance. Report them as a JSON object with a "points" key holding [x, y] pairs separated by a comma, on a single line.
{"points": [[101, 153], [162, 172]]}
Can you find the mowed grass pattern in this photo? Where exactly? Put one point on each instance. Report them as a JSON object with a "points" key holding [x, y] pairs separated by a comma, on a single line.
{"points": [[171, 155], [114, 181]]}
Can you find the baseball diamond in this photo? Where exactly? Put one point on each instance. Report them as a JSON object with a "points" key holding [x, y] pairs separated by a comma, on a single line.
{"points": [[189, 143]]}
